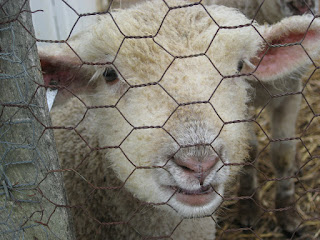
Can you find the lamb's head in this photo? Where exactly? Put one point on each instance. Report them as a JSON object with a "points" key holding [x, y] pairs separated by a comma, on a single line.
{"points": [[298, 7], [172, 105], [286, 8]]}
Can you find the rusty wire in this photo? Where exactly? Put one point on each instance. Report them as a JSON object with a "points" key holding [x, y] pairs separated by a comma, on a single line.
{"points": [[266, 227]]}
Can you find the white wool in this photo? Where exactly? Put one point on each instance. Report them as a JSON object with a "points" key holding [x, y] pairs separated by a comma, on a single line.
{"points": [[271, 11], [177, 87]]}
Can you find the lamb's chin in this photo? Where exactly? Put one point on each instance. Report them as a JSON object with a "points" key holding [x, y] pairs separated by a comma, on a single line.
{"points": [[193, 204]]}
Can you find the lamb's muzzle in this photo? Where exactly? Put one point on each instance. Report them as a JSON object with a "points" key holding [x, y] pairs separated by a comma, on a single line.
{"points": [[198, 170], [195, 171], [299, 7]]}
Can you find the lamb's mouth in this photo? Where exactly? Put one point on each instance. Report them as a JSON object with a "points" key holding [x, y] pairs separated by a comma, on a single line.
{"points": [[298, 9], [199, 197]]}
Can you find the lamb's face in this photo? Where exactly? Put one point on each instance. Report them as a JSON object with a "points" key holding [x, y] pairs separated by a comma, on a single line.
{"points": [[169, 98], [175, 104], [286, 8], [296, 7]]}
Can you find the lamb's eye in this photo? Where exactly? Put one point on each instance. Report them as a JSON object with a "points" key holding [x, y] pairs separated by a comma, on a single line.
{"points": [[240, 65], [110, 75]]}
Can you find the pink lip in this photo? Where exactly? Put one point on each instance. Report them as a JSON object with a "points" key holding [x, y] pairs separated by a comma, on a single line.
{"points": [[194, 197], [303, 9]]}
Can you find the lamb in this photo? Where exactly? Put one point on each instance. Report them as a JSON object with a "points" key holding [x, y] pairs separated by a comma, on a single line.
{"points": [[271, 11], [153, 130]]}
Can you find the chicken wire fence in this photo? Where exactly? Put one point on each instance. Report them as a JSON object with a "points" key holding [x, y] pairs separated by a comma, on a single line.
{"points": [[30, 193], [33, 187]]}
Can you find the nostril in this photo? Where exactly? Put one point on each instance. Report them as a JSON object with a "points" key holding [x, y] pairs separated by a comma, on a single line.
{"points": [[187, 164], [198, 166], [185, 168]]}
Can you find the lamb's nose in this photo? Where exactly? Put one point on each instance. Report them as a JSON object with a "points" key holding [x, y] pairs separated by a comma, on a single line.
{"points": [[198, 169]]}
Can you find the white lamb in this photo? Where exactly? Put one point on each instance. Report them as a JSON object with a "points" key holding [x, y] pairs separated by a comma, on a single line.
{"points": [[271, 11], [155, 129]]}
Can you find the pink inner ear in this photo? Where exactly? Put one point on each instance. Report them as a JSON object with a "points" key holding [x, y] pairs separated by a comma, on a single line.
{"points": [[59, 71], [281, 60], [59, 79]]}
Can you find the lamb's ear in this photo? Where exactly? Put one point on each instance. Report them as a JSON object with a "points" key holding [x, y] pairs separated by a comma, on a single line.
{"points": [[291, 44], [64, 71]]}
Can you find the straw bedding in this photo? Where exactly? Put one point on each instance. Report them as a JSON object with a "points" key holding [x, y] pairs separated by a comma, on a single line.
{"points": [[307, 177]]}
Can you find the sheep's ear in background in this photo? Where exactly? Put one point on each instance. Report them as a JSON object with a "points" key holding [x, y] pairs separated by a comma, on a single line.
{"points": [[290, 46], [65, 73]]}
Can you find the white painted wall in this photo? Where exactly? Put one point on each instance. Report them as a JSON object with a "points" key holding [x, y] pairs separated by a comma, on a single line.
{"points": [[57, 18], [56, 21]]}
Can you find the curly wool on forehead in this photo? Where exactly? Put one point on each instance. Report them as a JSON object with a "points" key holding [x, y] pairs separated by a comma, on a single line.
{"points": [[166, 34], [142, 19], [181, 31]]}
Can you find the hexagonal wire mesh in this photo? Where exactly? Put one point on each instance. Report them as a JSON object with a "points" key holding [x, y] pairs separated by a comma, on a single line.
{"points": [[101, 205], [30, 189]]}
